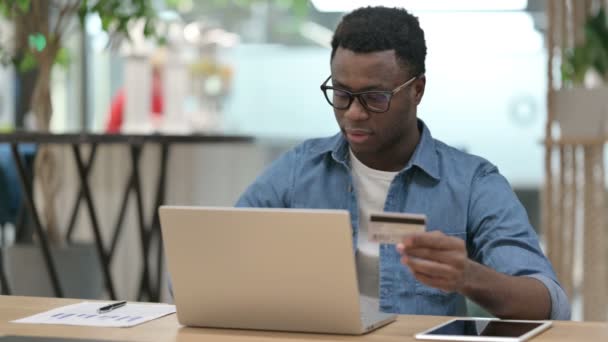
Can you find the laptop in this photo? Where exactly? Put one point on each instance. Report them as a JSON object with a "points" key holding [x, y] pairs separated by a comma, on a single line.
{"points": [[266, 269]]}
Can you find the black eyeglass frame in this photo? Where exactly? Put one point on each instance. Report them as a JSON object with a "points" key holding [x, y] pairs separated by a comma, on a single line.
{"points": [[358, 95]]}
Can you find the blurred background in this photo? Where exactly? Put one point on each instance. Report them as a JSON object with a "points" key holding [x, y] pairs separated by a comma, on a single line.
{"points": [[256, 66], [486, 72]]}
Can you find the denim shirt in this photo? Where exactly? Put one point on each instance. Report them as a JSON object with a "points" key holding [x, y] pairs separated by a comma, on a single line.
{"points": [[462, 195]]}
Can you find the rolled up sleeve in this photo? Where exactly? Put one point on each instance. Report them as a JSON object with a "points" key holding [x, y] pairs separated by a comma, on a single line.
{"points": [[502, 238], [560, 307]]}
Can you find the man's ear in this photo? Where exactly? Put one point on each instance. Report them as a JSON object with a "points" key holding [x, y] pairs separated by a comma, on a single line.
{"points": [[419, 86]]}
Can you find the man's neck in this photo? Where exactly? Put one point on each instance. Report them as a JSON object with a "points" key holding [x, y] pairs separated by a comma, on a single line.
{"points": [[395, 158]]}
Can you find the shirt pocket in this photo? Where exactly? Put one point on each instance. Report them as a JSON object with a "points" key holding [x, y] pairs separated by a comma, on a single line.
{"points": [[432, 301]]}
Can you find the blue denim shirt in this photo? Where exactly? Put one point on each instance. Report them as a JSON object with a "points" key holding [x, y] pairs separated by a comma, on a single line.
{"points": [[462, 195]]}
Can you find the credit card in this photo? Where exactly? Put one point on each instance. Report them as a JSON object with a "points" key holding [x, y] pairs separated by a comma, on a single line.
{"points": [[391, 228]]}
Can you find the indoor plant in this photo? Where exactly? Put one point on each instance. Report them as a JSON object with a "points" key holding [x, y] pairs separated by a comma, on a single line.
{"points": [[36, 45], [41, 28], [580, 105]]}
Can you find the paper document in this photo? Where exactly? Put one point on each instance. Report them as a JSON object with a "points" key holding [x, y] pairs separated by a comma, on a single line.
{"points": [[85, 313]]}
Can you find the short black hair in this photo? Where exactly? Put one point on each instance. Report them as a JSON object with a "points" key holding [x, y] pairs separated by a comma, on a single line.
{"points": [[372, 29]]}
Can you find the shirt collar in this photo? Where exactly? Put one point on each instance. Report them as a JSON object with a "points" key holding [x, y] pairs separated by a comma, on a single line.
{"points": [[424, 157]]}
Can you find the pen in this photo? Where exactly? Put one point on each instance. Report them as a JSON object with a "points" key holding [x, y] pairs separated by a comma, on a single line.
{"points": [[110, 307]]}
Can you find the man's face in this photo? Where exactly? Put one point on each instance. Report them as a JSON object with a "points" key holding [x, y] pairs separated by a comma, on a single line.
{"points": [[376, 135]]}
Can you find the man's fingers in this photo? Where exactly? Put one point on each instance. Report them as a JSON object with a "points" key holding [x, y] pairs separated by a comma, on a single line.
{"points": [[435, 259], [434, 240], [438, 283], [400, 248], [428, 267], [442, 256]]}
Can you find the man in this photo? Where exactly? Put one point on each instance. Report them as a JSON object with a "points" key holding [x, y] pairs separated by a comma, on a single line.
{"points": [[479, 243]]}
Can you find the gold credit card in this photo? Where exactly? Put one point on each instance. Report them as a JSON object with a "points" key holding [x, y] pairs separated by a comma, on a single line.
{"points": [[391, 228]]}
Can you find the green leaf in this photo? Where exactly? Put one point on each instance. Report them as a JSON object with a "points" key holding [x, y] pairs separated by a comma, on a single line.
{"points": [[592, 54], [172, 3], [300, 8], [83, 10], [284, 3], [242, 3], [149, 27], [4, 10], [117, 15], [23, 5], [63, 57], [37, 41], [96, 8], [221, 2], [161, 40], [105, 22], [28, 62]]}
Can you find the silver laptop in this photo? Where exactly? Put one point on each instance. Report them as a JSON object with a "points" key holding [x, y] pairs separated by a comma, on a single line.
{"points": [[266, 269]]}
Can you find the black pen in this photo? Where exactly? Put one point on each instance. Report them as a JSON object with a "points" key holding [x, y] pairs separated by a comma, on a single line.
{"points": [[111, 307]]}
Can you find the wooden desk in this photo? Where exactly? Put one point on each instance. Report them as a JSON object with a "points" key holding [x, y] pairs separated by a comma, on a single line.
{"points": [[167, 328]]}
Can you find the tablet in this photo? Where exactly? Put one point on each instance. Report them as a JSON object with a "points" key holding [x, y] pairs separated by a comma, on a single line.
{"points": [[484, 329]]}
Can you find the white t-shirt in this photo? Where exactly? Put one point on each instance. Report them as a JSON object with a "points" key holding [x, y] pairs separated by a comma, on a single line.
{"points": [[371, 187]]}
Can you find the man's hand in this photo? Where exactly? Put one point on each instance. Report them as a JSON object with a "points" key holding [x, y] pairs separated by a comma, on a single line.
{"points": [[436, 260], [441, 261]]}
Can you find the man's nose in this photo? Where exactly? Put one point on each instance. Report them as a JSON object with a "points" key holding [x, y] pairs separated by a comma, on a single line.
{"points": [[356, 111]]}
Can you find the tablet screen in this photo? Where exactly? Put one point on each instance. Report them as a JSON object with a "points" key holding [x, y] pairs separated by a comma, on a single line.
{"points": [[489, 328]]}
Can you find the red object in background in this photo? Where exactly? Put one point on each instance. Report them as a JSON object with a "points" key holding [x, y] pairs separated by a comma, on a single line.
{"points": [[117, 108]]}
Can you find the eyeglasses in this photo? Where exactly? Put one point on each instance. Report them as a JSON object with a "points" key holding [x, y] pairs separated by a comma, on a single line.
{"points": [[376, 101]]}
